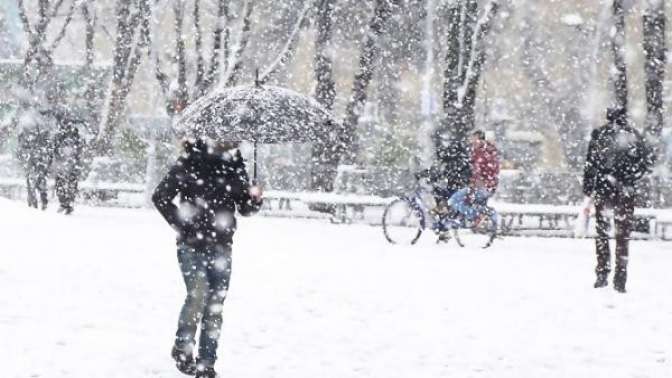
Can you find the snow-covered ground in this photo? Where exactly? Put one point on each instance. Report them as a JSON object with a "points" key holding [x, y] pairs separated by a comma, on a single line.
{"points": [[97, 295]]}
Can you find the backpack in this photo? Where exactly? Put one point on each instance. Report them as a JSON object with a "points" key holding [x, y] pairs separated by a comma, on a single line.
{"points": [[627, 156]]}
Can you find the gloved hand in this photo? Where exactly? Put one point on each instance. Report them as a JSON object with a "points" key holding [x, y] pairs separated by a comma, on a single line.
{"points": [[256, 192], [471, 196], [587, 205]]}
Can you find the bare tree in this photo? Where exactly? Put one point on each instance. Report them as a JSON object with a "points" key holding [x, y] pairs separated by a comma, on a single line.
{"points": [[132, 38], [234, 62], [465, 57], [90, 17], [618, 72], [224, 59], [38, 59], [367, 58], [656, 57]]}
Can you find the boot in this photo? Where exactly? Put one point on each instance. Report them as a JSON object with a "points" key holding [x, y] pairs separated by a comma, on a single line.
{"points": [[183, 361], [601, 280], [207, 372], [619, 280]]}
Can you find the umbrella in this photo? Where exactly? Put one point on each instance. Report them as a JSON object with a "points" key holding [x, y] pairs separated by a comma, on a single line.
{"points": [[260, 114]]}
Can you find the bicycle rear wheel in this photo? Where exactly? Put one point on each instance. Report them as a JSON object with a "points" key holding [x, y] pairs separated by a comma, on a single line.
{"points": [[402, 222], [479, 234]]}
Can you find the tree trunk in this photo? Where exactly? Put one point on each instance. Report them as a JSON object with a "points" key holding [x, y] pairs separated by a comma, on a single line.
{"points": [[235, 65], [465, 57], [213, 71], [324, 157], [618, 72], [91, 107], [198, 47], [181, 96], [655, 52], [370, 50], [127, 56]]}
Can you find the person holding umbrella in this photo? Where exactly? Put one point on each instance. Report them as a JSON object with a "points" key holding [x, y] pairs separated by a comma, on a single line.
{"points": [[211, 183]]}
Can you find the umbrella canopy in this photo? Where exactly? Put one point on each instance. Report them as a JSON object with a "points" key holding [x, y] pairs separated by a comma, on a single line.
{"points": [[262, 114]]}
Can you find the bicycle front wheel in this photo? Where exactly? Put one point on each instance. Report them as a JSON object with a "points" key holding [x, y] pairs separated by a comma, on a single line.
{"points": [[402, 222]]}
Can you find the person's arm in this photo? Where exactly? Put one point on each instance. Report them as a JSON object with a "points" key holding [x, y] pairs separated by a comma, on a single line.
{"points": [[249, 200], [590, 167], [163, 197]]}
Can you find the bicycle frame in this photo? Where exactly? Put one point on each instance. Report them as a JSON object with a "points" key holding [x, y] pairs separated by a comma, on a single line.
{"points": [[418, 200]]}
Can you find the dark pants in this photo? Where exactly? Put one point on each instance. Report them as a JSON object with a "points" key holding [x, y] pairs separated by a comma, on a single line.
{"points": [[624, 206], [206, 273], [36, 185], [66, 188]]}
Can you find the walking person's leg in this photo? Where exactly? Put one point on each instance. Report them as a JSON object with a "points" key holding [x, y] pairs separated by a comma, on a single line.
{"points": [[481, 206], [193, 265], [602, 245], [42, 189], [72, 189], [458, 201], [624, 214], [30, 191], [60, 185], [69, 191], [219, 274]]}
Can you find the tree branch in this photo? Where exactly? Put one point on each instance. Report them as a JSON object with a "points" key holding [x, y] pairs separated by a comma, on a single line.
{"points": [[288, 49], [57, 7], [61, 34], [222, 14], [24, 18], [236, 64], [182, 96], [198, 47], [482, 29]]}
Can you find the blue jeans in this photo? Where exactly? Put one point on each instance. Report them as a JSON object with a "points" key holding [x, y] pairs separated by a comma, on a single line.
{"points": [[206, 273], [470, 211]]}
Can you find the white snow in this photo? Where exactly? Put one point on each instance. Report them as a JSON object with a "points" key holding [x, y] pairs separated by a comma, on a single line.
{"points": [[97, 295]]}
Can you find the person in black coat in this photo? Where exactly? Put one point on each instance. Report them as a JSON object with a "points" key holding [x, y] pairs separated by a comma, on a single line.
{"points": [[35, 152], [211, 183], [618, 156], [67, 163]]}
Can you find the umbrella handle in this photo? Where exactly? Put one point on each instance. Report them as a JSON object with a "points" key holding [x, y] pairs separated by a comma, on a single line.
{"points": [[254, 166]]}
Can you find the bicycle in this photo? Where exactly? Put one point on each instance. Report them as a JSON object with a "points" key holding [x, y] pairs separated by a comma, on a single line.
{"points": [[407, 217]]}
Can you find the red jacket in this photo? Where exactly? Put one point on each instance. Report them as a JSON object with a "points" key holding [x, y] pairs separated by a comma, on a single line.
{"points": [[485, 166]]}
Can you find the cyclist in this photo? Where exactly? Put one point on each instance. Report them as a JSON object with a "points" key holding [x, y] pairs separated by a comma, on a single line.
{"points": [[449, 175], [471, 200]]}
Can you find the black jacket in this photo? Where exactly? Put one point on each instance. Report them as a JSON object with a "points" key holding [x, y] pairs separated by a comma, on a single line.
{"points": [[67, 149], [618, 156], [210, 189], [35, 149]]}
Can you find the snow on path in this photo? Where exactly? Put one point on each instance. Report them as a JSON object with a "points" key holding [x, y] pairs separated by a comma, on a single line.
{"points": [[97, 295]]}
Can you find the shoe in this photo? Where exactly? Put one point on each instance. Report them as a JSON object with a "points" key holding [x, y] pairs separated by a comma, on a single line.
{"points": [[601, 281], [67, 210], [207, 372], [183, 361], [619, 281], [444, 237]]}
